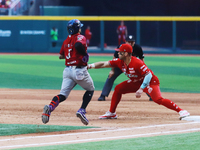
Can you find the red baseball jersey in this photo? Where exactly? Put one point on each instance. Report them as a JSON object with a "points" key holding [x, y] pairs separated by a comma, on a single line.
{"points": [[72, 56], [88, 34], [121, 29], [136, 70]]}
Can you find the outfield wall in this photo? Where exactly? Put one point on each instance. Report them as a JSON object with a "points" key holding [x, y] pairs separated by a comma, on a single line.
{"points": [[32, 33], [25, 35]]}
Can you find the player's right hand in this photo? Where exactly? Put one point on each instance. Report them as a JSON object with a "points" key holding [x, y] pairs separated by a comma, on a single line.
{"points": [[139, 93]]}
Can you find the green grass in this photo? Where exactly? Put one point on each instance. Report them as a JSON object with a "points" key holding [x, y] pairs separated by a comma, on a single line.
{"points": [[176, 73], [189, 141], [17, 129]]}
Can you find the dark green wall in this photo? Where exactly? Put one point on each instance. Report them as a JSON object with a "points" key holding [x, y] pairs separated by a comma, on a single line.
{"points": [[29, 35]]}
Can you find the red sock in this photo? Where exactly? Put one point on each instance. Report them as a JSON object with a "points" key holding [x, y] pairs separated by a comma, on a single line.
{"points": [[171, 105]]}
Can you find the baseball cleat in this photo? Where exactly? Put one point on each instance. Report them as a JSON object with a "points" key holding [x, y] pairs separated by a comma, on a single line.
{"points": [[81, 114], [46, 114], [108, 115], [183, 114]]}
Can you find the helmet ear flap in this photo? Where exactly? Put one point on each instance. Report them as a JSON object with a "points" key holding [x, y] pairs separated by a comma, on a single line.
{"points": [[71, 31]]}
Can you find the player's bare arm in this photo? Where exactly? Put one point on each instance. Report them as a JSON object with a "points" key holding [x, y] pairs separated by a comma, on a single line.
{"points": [[102, 64], [112, 71]]}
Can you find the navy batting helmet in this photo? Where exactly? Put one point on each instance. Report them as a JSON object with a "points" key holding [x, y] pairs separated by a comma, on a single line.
{"points": [[73, 26]]}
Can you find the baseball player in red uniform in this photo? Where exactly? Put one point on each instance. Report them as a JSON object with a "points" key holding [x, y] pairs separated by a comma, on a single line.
{"points": [[115, 72], [141, 79], [88, 35], [122, 33], [74, 51]]}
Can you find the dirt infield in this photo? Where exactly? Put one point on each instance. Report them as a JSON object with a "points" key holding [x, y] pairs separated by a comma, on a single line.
{"points": [[136, 117]]}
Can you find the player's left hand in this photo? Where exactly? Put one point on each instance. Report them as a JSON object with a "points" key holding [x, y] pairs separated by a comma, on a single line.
{"points": [[139, 93], [62, 57], [111, 73]]}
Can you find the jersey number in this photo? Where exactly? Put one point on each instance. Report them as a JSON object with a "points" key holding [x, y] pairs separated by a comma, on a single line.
{"points": [[68, 56]]}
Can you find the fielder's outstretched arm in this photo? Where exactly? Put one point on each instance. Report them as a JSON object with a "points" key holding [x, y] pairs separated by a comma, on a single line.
{"points": [[102, 64]]}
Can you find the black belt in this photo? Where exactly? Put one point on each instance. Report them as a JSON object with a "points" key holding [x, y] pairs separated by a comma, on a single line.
{"points": [[76, 66]]}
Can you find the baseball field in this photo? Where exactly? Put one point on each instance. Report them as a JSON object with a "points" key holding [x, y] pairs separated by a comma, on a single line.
{"points": [[29, 81]]}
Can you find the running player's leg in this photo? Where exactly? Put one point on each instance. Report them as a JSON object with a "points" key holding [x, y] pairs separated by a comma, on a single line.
{"points": [[86, 83], [67, 85]]}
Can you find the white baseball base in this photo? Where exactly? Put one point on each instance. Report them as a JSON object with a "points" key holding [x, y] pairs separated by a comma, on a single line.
{"points": [[191, 118]]}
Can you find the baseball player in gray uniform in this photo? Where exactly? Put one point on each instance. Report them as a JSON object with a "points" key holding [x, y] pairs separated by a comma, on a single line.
{"points": [[74, 51]]}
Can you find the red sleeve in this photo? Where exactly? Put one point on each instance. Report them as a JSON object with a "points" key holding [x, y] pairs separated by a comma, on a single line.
{"points": [[81, 39], [115, 62], [142, 68]]}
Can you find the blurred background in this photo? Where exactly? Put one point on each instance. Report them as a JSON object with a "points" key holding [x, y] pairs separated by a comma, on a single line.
{"points": [[18, 34]]}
